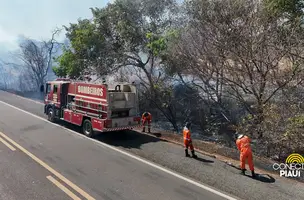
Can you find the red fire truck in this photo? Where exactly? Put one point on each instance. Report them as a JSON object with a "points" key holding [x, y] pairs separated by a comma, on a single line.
{"points": [[94, 107]]}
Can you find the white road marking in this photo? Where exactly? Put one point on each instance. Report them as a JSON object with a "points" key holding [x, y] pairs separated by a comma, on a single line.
{"points": [[132, 156]]}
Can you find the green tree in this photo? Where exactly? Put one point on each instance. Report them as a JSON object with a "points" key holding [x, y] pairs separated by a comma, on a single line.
{"points": [[84, 55], [119, 35], [290, 9]]}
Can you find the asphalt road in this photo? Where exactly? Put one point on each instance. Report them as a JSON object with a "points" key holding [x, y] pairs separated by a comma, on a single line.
{"points": [[81, 165], [23, 179], [105, 173]]}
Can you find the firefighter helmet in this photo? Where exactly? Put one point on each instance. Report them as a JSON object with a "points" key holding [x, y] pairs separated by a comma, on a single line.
{"points": [[188, 124]]}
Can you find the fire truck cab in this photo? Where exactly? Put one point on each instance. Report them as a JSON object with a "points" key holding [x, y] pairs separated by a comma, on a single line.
{"points": [[94, 107]]}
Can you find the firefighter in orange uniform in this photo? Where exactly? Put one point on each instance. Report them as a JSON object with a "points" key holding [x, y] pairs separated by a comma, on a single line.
{"points": [[243, 145], [188, 140], [146, 119]]}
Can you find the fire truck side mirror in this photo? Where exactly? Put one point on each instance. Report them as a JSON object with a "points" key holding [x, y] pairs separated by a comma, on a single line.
{"points": [[42, 88]]}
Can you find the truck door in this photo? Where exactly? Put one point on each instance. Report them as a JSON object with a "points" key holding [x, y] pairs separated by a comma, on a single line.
{"points": [[52, 91], [48, 93], [63, 94], [56, 97]]}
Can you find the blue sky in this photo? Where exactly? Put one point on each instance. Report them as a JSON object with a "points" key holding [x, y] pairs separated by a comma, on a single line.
{"points": [[37, 18]]}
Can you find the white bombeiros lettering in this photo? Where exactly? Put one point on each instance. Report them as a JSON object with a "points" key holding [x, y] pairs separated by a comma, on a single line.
{"points": [[90, 90]]}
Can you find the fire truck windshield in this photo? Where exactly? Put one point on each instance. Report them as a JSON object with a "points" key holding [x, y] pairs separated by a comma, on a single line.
{"points": [[48, 88]]}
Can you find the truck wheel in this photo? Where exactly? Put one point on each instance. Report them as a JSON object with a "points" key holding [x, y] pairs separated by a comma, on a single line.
{"points": [[51, 115], [87, 128]]}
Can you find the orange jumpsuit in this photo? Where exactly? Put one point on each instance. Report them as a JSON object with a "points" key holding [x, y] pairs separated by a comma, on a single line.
{"points": [[243, 145], [146, 120], [187, 139]]}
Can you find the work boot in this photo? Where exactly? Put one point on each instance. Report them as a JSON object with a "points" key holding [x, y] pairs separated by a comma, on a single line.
{"points": [[193, 154], [144, 129], [149, 130], [253, 174], [243, 171], [186, 153]]}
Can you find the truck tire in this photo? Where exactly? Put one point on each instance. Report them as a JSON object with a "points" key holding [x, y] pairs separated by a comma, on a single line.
{"points": [[51, 115], [87, 128]]}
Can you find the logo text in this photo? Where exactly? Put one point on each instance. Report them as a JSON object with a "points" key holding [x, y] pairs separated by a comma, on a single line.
{"points": [[292, 167], [90, 90]]}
